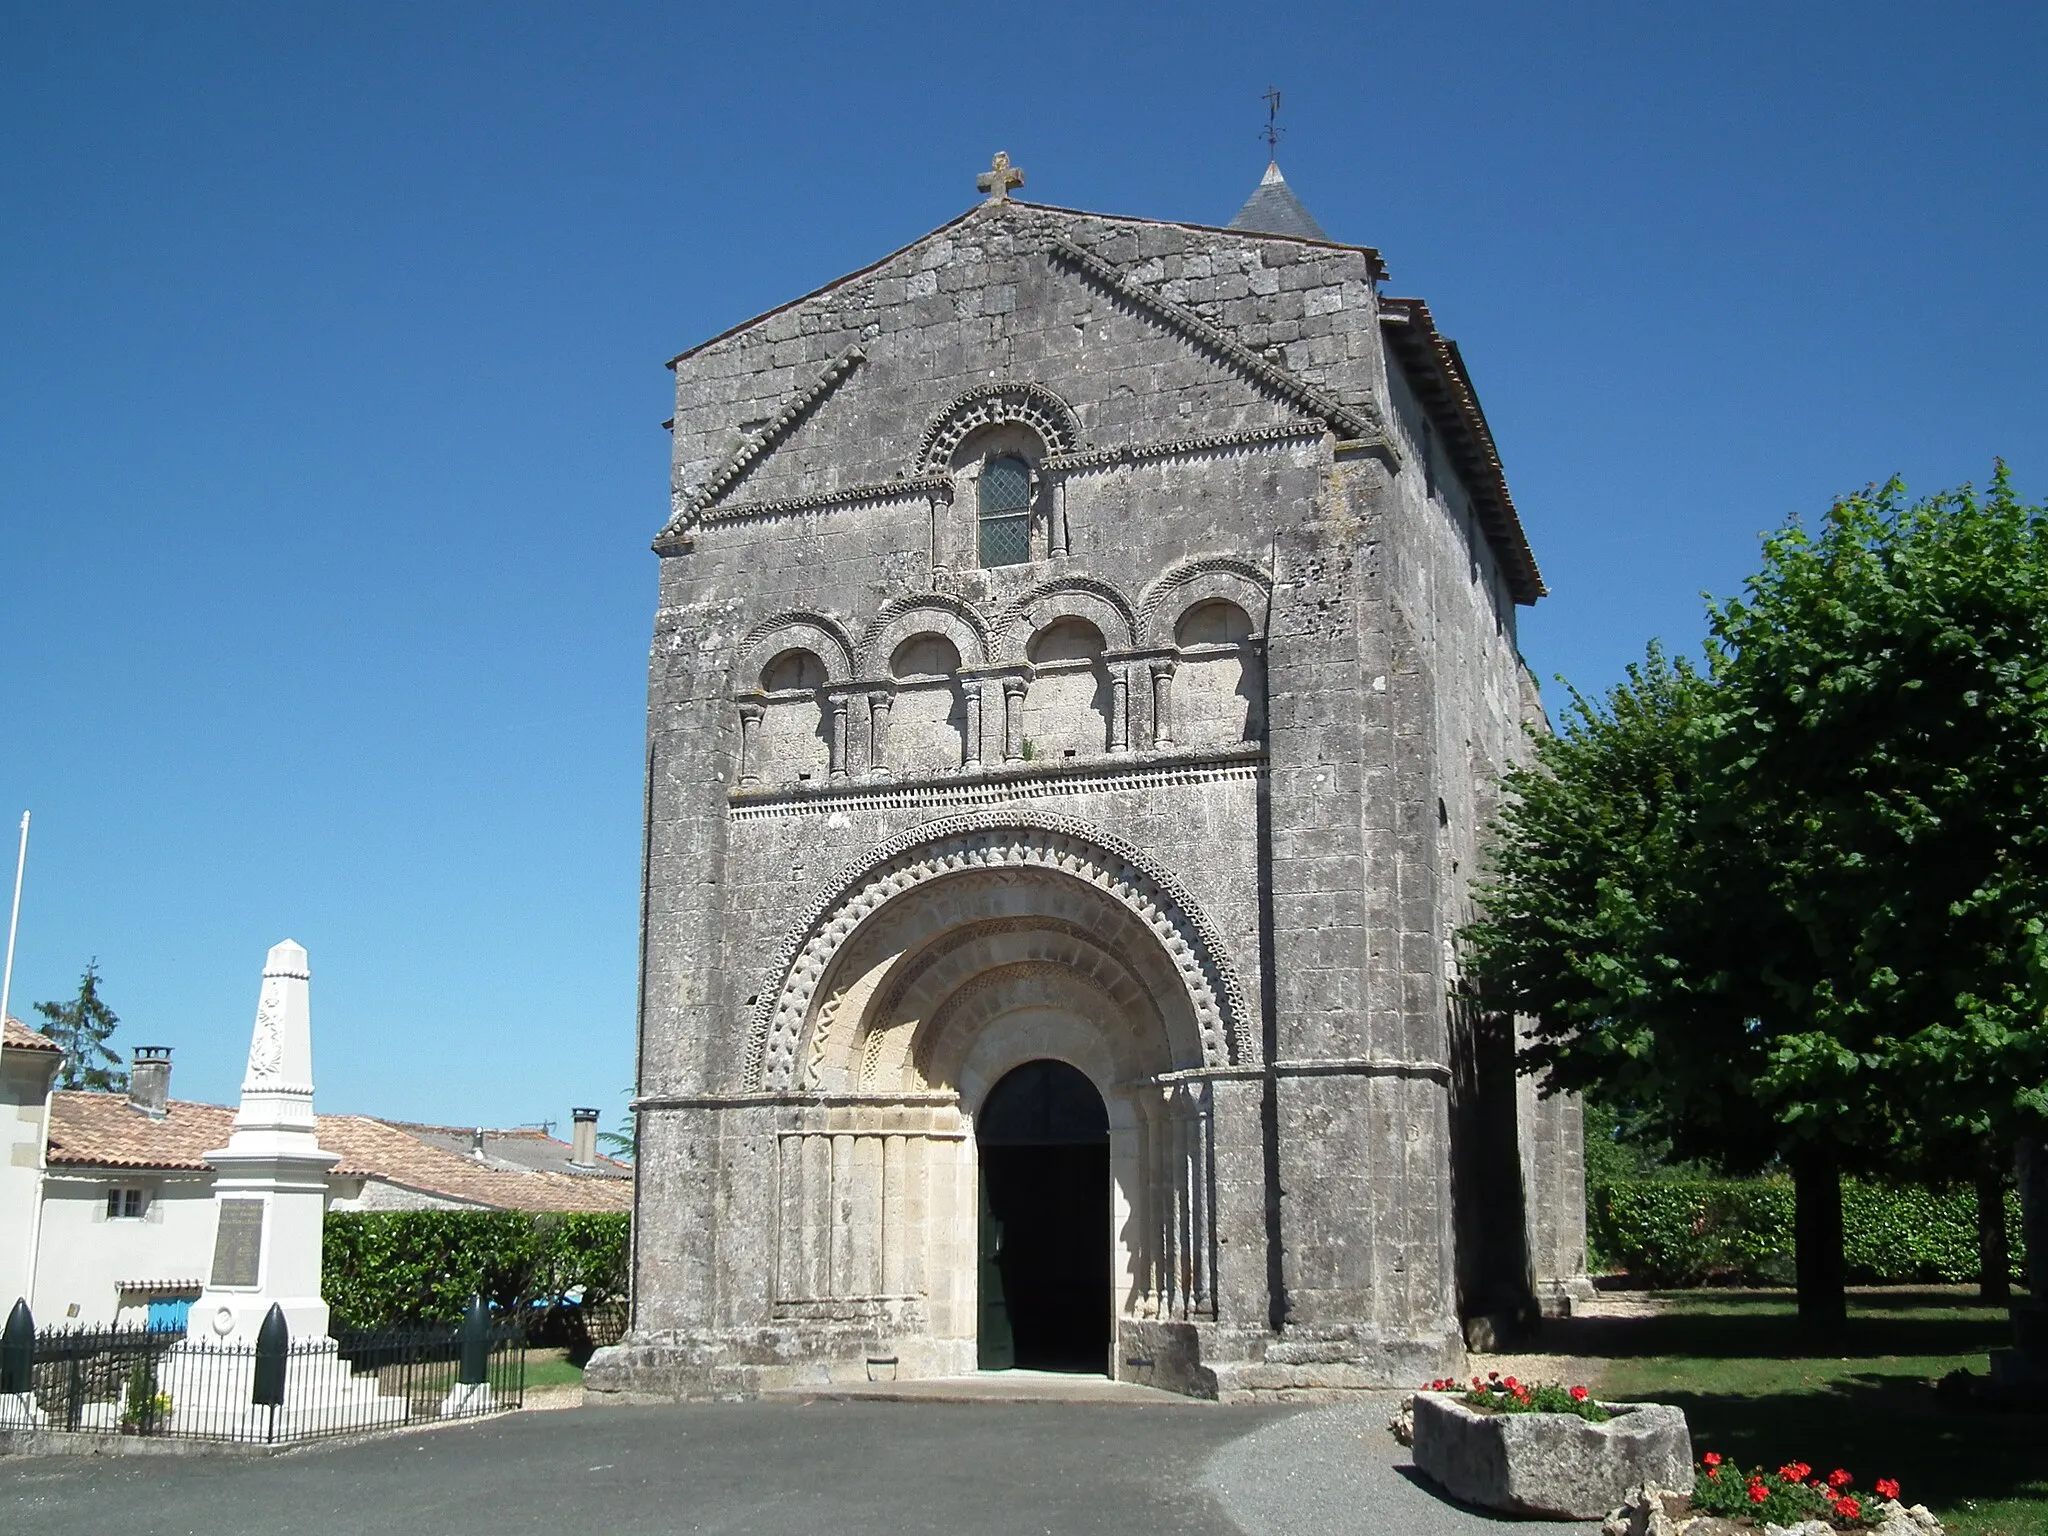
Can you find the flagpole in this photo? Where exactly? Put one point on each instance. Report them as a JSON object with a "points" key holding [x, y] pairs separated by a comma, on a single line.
{"points": [[14, 921]]}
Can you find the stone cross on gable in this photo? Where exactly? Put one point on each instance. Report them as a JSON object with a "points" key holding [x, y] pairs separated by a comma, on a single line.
{"points": [[999, 178]]}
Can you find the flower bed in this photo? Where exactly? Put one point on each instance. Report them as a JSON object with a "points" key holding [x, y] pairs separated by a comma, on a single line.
{"points": [[1726, 1498], [1536, 1449]]}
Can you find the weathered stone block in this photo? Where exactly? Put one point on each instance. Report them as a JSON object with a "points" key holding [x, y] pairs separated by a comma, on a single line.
{"points": [[1550, 1464]]}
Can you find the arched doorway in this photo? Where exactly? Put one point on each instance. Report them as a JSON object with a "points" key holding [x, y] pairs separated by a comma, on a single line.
{"points": [[1044, 1222]]}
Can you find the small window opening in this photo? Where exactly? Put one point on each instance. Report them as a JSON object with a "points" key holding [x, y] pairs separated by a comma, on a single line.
{"points": [[1005, 508], [125, 1204]]}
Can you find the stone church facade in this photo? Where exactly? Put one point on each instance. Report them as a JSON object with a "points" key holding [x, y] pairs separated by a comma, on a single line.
{"points": [[1084, 666]]}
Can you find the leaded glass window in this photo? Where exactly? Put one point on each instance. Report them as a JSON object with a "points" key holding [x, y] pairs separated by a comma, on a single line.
{"points": [[1005, 512]]}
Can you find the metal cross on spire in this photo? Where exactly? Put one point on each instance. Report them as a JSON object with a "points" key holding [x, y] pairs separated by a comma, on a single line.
{"points": [[1272, 133], [999, 178]]}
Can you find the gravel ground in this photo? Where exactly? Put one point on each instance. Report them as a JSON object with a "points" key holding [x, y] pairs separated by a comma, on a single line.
{"points": [[1337, 1472]]}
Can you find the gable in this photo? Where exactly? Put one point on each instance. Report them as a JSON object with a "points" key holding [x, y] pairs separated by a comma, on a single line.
{"points": [[838, 392]]}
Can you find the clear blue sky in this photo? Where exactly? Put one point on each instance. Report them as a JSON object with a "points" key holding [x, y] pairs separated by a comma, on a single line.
{"points": [[330, 382]]}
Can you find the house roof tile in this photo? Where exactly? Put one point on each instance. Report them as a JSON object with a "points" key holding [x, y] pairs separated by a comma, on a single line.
{"points": [[102, 1130]]}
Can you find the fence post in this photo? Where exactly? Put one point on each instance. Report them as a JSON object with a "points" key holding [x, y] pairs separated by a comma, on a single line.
{"points": [[273, 1349], [474, 1369], [18, 1350]]}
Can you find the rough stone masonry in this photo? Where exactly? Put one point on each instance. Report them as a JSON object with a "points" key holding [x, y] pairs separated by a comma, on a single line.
{"points": [[1084, 668]]}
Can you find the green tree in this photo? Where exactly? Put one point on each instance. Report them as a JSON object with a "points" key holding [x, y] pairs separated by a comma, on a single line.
{"points": [[82, 1027], [1794, 907]]}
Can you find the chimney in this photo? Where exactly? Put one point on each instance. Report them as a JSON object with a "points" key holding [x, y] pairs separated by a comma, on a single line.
{"points": [[149, 1080], [583, 1140], [476, 1142]]}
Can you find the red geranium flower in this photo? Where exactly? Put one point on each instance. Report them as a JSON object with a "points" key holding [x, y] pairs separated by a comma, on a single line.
{"points": [[1475, 1383], [1839, 1479], [1887, 1488], [1712, 1458], [1847, 1507], [1493, 1375], [1798, 1472], [1758, 1493], [1513, 1385], [1580, 1394]]}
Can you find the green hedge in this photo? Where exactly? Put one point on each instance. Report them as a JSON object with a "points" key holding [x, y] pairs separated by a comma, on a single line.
{"points": [[1739, 1232], [382, 1268]]}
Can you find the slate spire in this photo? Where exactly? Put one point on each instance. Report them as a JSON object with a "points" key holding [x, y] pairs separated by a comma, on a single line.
{"points": [[1273, 209]]}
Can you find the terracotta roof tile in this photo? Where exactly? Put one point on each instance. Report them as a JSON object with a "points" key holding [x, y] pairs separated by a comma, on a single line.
{"points": [[17, 1036], [100, 1130]]}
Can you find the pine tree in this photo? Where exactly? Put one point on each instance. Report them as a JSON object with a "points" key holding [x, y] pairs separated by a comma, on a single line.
{"points": [[81, 1027]]}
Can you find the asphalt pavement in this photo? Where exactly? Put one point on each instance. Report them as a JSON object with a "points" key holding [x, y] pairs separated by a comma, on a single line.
{"points": [[848, 1468]]}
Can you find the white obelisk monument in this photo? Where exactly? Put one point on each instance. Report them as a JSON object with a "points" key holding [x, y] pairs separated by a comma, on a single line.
{"points": [[270, 1184]]}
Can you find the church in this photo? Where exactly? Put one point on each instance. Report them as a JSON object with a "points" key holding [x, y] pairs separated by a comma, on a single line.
{"points": [[1084, 669]]}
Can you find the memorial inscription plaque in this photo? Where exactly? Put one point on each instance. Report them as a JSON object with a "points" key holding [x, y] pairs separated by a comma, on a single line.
{"points": [[238, 1243]]}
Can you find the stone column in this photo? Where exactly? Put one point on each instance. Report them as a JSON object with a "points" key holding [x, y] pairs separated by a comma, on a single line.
{"points": [[751, 712], [970, 756], [1058, 537], [1162, 703], [1119, 709], [879, 702], [1013, 718], [836, 703]]}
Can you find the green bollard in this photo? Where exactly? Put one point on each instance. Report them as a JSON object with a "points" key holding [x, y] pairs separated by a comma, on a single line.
{"points": [[18, 1350], [273, 1348], [475, 1368]]}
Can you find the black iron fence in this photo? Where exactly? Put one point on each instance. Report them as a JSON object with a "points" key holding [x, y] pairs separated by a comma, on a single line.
{"points": [[137, 1381]]}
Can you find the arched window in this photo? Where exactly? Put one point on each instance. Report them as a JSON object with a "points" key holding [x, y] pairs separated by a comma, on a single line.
{"points": [[792, 669], [924, 656], [1066, 640], [1005, 512], [1216, 622]]}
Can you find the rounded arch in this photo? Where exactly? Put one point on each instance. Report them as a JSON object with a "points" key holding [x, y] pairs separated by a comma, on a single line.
{"points": [[889, 1046], [813, 632], [1212, 621], [1067, 597], [930, 612], [1191, 582], [797, 667], [1033, 406], [1069, 850], [924, 655]]}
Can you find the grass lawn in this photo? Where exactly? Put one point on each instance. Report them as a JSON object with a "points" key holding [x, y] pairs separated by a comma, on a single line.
{"points": [[1756, 1389], [551, 1368]]}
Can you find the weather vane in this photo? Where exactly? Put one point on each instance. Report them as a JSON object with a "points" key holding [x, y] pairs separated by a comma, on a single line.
{"points": [[1272, 133]]}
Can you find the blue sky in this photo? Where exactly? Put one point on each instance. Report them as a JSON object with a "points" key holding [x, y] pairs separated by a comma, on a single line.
{"points": [[330, 382]]}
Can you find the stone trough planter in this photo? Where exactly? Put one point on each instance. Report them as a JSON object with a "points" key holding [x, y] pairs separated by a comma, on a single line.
{"points": [[1550, 1464]]}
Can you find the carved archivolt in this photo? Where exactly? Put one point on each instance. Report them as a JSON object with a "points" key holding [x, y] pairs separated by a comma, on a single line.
{"points": [[921, 613], [1190, 582], [1081, 597], [812, 632], [1020, 840], [1029, 405]]}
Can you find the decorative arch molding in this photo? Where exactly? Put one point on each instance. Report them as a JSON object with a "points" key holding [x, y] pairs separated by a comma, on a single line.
{"points": [[943, 1046], [813, 632], [1029, 405], [1078, 597], [995, 840], [920, 613], [909, 1006], [1190, 582]]}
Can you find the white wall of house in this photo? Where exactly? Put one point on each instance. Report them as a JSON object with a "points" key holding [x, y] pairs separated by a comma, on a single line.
{"points": [[87, 1254], [24, 1113]]}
